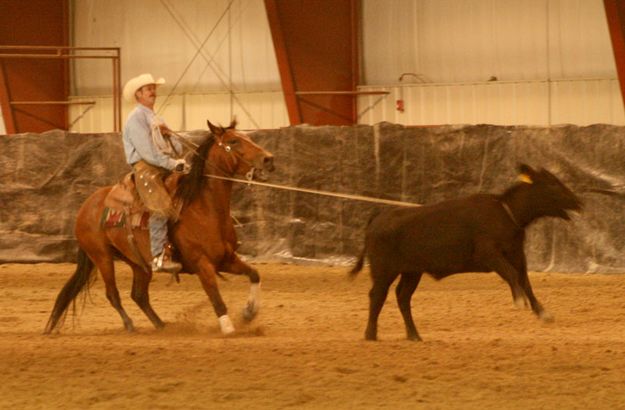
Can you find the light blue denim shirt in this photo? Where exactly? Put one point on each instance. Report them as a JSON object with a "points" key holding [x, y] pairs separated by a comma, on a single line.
{"points": [[138, 143]]}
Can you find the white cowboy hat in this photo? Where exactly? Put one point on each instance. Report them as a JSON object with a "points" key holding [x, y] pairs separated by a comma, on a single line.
{"points": [[137, 82]]}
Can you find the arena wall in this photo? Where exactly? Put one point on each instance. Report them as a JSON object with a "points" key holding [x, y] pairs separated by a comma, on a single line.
{"points": [[45, 177]]}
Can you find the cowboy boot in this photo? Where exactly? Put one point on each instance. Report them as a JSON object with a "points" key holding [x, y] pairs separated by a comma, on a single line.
{"points": [[164, 262]]}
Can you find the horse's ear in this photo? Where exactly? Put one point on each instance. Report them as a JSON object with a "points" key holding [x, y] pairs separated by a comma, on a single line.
{"points": [[233, 123], [213, 129]]}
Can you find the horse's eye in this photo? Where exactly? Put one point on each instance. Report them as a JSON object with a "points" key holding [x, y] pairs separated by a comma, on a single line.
{"points": [[233, 142]]}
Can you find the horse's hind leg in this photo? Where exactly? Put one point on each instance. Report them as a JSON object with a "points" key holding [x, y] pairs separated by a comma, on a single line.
{"points": [[107, 269], [238, 267], [405, 288], [140, 294]]}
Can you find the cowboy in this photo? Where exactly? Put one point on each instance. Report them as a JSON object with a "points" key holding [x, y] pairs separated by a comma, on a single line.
{"points": [[152, 154]]}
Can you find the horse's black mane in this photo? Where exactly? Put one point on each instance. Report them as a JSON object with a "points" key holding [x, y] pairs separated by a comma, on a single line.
{"points": [[192, 183]]}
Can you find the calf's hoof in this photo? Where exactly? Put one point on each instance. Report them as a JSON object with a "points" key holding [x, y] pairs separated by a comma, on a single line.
{"points": [[371, 336]]}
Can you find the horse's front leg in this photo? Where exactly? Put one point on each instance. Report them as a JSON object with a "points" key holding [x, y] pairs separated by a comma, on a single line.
{"points": [[208, 277], [238, 267]]}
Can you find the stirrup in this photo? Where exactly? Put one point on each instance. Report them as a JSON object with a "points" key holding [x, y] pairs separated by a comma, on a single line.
{"points": [[162, 264]]}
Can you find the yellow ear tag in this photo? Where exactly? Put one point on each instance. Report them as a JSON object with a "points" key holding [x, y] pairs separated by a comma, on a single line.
{"points": [[525, 178]]}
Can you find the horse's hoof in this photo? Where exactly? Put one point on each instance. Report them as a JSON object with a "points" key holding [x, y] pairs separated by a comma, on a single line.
{"points": [[226, 325], [521, 303], [249, 313], [228, 333]]}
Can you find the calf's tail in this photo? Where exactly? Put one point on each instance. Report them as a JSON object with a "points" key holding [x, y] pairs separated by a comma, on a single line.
{"points": [[361, 259], [359, 263], [80, 280]]}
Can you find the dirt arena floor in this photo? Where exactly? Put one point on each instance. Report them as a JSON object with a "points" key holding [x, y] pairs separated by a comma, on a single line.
{"points": [[306, 350]]}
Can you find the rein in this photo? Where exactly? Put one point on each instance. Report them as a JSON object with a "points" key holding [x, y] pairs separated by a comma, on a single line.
{"points": [[193, 148]]}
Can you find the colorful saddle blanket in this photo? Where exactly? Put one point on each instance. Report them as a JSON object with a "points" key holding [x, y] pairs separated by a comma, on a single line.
{"points": [[122, 205], [112, 218]]}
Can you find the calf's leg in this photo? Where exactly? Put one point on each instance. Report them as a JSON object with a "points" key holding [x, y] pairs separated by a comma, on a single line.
{"points": [[377, 296], [537, 308], [406, 287], [520, 263], [490, 256]]}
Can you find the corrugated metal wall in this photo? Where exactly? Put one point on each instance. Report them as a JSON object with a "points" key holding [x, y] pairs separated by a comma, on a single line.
{"points": [[234, 74], [552, 60], [451, 41], [549, 62], [253, 110], [580, 102]]}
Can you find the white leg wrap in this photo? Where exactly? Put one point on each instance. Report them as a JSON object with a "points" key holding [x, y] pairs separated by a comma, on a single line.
{"points": [[226, 325]]}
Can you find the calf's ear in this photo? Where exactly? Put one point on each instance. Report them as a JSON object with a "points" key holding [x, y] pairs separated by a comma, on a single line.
{"points": [[526, 173], [525, 169]]}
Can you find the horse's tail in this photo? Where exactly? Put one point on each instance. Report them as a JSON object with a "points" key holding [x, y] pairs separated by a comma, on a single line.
{"points": [[361, 259], [80, 280]]}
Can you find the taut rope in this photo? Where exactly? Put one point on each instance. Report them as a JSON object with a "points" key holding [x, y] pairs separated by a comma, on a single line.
{"points": [[314, 191], [193, 147]]}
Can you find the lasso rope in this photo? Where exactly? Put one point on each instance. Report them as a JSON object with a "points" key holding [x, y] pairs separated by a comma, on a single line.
{"points": [[314, 191], [193, 147]]}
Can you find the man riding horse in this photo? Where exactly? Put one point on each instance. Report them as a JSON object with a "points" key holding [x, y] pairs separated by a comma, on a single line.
{"points": [[152, 154]]}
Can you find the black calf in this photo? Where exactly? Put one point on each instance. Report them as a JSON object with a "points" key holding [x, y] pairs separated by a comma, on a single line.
{"points": [[479, 233]]}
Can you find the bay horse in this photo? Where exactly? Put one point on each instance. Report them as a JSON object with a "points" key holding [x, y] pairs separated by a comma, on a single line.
{"points": [[203, 235]]}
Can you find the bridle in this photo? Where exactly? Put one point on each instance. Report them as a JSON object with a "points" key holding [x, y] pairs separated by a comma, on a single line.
{"points": [[193, 147], [249, 175]]}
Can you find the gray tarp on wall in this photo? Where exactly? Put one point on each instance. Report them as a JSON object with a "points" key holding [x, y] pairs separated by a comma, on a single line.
{"points": [[45, 177]]}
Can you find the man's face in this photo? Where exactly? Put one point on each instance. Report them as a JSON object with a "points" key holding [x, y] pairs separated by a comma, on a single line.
{"points": [[146, 95]]}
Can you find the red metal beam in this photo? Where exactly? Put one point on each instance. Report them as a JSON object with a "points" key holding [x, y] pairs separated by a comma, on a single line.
{"points": [[34, 23], [316, 44], [615, 13], [5, 103], [282, 55], [63, 53]]}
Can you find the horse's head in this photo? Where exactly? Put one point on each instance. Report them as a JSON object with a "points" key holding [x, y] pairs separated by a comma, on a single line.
{"points": [[236, 154]]}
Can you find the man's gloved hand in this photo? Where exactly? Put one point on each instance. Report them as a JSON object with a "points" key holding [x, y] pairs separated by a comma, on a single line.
{"points": [[164, 129], [182, 166]]}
